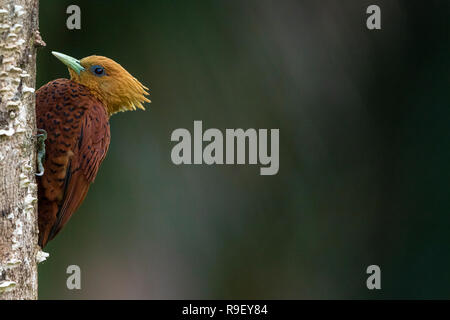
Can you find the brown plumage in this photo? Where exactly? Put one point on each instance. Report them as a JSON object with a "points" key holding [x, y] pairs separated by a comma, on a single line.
{"points": [[75, 113]]}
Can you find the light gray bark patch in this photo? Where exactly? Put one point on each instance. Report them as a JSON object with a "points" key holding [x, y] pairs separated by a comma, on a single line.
{"points": [[18, 190]]}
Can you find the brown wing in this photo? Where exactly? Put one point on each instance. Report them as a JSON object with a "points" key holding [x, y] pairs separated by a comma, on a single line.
{"points": [[78, 139]]}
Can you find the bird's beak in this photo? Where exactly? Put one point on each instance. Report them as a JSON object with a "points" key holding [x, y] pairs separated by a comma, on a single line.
{"points": [[72, 63]]}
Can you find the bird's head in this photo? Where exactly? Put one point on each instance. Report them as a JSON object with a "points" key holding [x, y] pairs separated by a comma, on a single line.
{"points": [[108, 81]]}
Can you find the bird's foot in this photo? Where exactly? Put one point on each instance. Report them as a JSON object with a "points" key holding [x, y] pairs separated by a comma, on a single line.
{"points": [[41, 136]]}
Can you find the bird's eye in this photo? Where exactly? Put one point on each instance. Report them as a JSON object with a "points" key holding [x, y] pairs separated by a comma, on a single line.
{"points": [[98, 70]]}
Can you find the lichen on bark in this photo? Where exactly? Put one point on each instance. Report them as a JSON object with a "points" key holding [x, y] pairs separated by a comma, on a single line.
{"points": [[18, 190]]}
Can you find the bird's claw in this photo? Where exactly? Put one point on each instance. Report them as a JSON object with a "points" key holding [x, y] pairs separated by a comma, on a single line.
{"points": [[41, 136]]}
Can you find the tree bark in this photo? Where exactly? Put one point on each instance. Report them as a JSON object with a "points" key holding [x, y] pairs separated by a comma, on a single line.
{"points": [[18, 191]]}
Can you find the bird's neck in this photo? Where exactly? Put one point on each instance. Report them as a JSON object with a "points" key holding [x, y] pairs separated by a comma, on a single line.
{"points": [[109, 107]]}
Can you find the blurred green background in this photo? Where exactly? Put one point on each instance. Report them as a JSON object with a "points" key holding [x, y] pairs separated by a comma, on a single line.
{"points": [[364, 151]]}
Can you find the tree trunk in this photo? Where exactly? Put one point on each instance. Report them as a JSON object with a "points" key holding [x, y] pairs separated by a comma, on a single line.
{"points": [[19, 37]]}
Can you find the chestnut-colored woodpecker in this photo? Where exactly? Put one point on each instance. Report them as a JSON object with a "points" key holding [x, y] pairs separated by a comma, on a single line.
{"points": [[73, 116]]}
